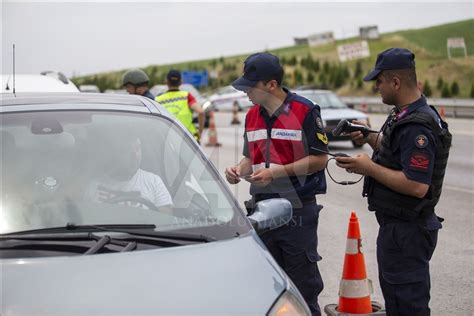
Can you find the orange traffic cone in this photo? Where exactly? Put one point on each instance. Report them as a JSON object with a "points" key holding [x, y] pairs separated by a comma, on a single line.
{"points": [[355, 288], [235, 114], [442, 113], [212, 132]]}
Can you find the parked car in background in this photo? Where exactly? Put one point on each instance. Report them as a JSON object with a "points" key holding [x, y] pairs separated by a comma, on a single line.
{"points": [[203, 101], [89, 88], [333, 110], [224, 98], [109, 207], [47, 81]]}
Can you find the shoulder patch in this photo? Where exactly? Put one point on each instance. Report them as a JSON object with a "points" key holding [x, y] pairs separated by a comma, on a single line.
{"points": [[319, 123], [419, 161], [323, 138], [421, 141]]}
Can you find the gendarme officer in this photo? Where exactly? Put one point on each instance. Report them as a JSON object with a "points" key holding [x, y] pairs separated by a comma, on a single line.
{"points": [[281, 132], [403, 182]]}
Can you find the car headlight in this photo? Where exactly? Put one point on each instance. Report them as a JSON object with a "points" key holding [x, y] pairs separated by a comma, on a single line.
{"points": [[288, 305], [206, 105]]}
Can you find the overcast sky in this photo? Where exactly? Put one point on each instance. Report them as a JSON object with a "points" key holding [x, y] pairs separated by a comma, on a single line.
{"points": [[87, 37]]}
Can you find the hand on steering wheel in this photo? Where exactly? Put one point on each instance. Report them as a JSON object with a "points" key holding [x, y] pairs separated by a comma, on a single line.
{"points": [[135, 199]]}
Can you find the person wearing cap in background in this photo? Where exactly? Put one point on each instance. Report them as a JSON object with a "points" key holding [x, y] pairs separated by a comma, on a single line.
{"points": [[403, 182], [181, 104], [135, 81], [283, 133]]}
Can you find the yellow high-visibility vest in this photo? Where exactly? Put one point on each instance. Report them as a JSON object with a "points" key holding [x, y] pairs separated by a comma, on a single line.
{"points": [[176, 102]]}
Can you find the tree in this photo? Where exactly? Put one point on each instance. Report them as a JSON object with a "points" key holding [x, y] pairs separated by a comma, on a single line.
{"points": [[310, 78], [472, 90], [440, 84], [359, 83], [323, 80], [358, 70], [316, 66], [298, 78], [326, 67], [340, 74], [293, 61], [427, 89], [445, 93], [454, 88]]}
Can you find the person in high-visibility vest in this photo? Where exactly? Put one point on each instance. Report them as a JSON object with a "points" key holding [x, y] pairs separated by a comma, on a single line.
{"points": [[181, 104]]}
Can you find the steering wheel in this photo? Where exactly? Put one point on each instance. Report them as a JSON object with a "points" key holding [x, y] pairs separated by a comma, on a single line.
{"points": [[136, 199]]}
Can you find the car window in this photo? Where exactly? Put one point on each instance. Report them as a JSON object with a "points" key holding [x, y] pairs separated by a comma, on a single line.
{"points": [[325, 100], [107, 168]]}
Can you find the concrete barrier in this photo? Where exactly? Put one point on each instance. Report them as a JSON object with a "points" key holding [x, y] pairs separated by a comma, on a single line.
{"points": [[453, 107]]}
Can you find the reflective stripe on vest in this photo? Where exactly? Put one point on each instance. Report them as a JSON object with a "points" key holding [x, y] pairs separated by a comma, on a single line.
{"points": [[176, 102]]}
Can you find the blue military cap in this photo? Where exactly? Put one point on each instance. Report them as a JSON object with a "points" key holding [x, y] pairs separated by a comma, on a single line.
{"points": [[257, 67], [392, 58], [174, 76]]}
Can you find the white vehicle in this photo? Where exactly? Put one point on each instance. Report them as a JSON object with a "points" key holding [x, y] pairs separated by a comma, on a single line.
{"points": [[225, 98], [333, 110], [47, 81], [89, 88], [72, 244]]}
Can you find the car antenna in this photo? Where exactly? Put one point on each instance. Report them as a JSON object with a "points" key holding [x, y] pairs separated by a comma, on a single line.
{"points": [[14, 70]]}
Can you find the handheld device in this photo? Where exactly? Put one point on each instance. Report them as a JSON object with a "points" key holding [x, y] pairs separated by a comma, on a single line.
{"points": [[344, 126], [330, 154], [334, 155]]}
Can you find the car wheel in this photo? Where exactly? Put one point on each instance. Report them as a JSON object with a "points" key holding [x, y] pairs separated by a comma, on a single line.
{"points": [[356, 145]]}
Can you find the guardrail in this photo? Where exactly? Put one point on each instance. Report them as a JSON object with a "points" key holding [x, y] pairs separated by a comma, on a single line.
{"points": [[451, 107]]}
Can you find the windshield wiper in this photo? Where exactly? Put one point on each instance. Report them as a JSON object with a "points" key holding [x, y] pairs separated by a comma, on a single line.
{"points": [[142, 230]]}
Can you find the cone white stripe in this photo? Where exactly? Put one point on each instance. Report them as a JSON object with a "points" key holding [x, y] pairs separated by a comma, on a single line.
{"points": [[352, 246], [355, 288]]}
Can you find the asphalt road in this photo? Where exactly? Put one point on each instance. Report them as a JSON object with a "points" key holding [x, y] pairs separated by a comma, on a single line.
{"points": [[452, 266]]}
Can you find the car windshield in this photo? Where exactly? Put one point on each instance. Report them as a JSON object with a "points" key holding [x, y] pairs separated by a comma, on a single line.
{"points": [[102, 168], [325, 100]]}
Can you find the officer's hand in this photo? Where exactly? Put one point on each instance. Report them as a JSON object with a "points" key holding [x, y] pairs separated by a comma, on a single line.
{"points": [[361, 164], [232, 174], [261, 177], [358, 137]]}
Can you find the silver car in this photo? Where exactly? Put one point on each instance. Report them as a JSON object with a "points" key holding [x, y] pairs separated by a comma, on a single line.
{"points": [[333, 110], [109, 207]]}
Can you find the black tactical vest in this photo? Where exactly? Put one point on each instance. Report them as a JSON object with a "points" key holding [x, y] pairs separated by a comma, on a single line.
{"points": [[382, 199]]}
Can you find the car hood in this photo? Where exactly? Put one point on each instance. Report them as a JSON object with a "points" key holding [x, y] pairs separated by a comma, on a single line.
{"points": [[339, 114], [224, 277]]}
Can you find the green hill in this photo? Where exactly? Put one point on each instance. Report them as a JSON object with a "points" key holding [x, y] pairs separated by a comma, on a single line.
{"points": [[320, 66]]}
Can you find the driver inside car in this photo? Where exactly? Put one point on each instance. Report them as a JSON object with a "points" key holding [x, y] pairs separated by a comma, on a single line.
{"points": [[121, 180]]}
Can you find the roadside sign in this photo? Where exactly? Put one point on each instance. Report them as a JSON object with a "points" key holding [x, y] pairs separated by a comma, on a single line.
{"points": [[456, 42], [196, 78], [352, 51]]}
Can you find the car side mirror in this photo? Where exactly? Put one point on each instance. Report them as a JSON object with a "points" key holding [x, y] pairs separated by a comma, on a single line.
{"points": [[271, 214]]}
